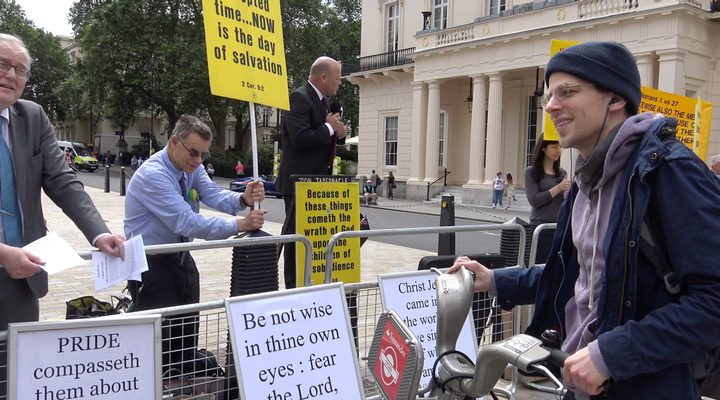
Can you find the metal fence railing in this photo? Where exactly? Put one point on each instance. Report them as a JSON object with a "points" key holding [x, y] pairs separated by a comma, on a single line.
{"points": [[196, 378], [193, 375]]}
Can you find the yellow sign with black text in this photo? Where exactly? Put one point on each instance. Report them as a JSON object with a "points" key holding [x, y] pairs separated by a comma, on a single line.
{"points": [[323, 209], [556, 46], [693, 116], [245, 51]]}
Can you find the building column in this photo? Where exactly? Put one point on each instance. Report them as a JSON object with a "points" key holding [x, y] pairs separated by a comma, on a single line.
{"points": [[433, 131], [476, 169], [419, 133], [671, 71], [646, 66], [494, 127]]}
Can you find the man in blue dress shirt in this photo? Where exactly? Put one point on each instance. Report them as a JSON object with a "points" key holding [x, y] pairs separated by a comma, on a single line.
{"points": [[161, 205]]}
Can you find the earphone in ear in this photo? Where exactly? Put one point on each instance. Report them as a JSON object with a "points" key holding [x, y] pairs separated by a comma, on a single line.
{"points": [[614, 100]]}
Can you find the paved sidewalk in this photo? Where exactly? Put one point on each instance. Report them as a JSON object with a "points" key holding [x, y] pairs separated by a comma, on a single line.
{"points": [[480, 213], [214, 265]]}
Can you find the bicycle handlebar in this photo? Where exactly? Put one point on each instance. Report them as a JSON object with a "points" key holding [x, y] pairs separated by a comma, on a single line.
{"points": [[455, 374]]}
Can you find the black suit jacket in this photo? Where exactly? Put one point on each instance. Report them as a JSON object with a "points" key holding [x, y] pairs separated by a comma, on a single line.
{"points": [[305, 139], [40, 165]]}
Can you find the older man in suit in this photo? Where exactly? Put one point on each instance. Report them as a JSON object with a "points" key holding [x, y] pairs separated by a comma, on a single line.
{"points": [[31, 160], [309, 135]]}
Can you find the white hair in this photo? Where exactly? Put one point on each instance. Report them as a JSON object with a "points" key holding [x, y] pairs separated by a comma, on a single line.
{"points": [[715, 159], [10, 40]]}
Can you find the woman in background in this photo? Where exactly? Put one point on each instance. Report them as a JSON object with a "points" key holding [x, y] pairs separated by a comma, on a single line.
{"points": [[545, 186], [390, 185], [509, 189], [545, 182]]}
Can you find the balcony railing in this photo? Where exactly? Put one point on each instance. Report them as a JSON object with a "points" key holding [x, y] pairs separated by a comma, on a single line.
{"points": [[596, 8], [513, 21], [379, 61]]}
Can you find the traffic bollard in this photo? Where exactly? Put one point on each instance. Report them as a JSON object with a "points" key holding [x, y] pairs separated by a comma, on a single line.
{"points": [[446, 241], [107, 178], [122, 181]]}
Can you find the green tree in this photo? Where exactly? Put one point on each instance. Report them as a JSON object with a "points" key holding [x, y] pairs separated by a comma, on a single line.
{"points": [[158, 59], [338, 36], [303, 36], [344, 27], [50, 66], [158, 62]]}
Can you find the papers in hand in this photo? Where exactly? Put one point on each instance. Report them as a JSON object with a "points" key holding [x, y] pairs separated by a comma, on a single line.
{"points": [[112, 270], [57, 254]]}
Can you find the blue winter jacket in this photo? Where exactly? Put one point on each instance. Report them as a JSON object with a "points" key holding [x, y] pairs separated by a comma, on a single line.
{"points": [[648, 338]]}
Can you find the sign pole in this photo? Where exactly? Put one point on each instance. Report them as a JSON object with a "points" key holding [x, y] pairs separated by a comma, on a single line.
{"points": [[253, 136]]}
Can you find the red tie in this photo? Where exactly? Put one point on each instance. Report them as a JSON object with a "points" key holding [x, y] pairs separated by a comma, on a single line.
{"points": [[325, 106]]}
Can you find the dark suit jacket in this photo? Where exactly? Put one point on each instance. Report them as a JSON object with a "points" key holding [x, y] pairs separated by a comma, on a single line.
{"points": [[305, 139], [40, 164]]}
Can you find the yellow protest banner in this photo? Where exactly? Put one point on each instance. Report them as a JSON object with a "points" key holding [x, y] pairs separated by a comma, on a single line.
{"points": [[693, 116], [245, 51], [323, 209], [556, 46]]}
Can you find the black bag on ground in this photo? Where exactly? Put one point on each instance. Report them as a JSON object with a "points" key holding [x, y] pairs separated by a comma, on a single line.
{"points": [[204, 363], [88, 307]]}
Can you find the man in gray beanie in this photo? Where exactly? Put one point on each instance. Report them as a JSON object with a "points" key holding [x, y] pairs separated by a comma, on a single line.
{"points": [[631, 282]]}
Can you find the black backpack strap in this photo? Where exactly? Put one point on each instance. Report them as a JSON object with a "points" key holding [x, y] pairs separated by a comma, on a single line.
{"points": [[650, 246], [650, 249]]}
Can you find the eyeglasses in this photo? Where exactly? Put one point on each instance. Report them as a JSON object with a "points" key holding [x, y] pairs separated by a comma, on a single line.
{"points": [[20, 71], [561, 93], [194, 153]]}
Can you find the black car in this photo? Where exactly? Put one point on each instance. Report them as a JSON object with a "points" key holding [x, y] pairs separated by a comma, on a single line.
{"points": [[239, 185]]}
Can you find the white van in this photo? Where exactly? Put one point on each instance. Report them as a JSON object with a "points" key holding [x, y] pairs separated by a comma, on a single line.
{"points": [[80, 155]]}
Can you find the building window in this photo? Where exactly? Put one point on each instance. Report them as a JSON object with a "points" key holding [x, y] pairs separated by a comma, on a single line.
{"points": [[440, 14], [442, 145], [496, 6], [532, 117], [391, 141], [265, 113], [393, 21]]}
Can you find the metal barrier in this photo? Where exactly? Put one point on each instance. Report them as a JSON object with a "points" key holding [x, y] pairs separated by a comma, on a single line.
{"points": [[536, 237], [417, 231], [515, 318], [213, 335]]}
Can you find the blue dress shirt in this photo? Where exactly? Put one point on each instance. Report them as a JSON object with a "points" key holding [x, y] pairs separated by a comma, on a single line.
{"points": [[155, 208]]}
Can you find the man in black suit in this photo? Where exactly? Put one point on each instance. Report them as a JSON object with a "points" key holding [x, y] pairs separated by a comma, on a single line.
{"points": [[31, 161], [309, 135]]}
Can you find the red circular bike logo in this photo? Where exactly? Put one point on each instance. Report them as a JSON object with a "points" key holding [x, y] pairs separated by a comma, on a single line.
{"points": [[388, 359]]}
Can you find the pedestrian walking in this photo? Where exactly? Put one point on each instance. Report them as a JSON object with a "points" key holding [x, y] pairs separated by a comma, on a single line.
{"points": [[240, 169], [509, 189], [498, 190], [390, 185]]}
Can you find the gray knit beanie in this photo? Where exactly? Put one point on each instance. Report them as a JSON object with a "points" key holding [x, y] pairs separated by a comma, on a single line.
{"points": [[607, 65]]}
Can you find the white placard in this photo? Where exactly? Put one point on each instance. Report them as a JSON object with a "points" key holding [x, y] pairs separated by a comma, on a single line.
{"points": [[412, 296], [99, 358], [294, 345]]}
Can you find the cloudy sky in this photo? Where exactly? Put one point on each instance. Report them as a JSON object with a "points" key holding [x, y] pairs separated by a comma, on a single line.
{"points": [[51, 15]]}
